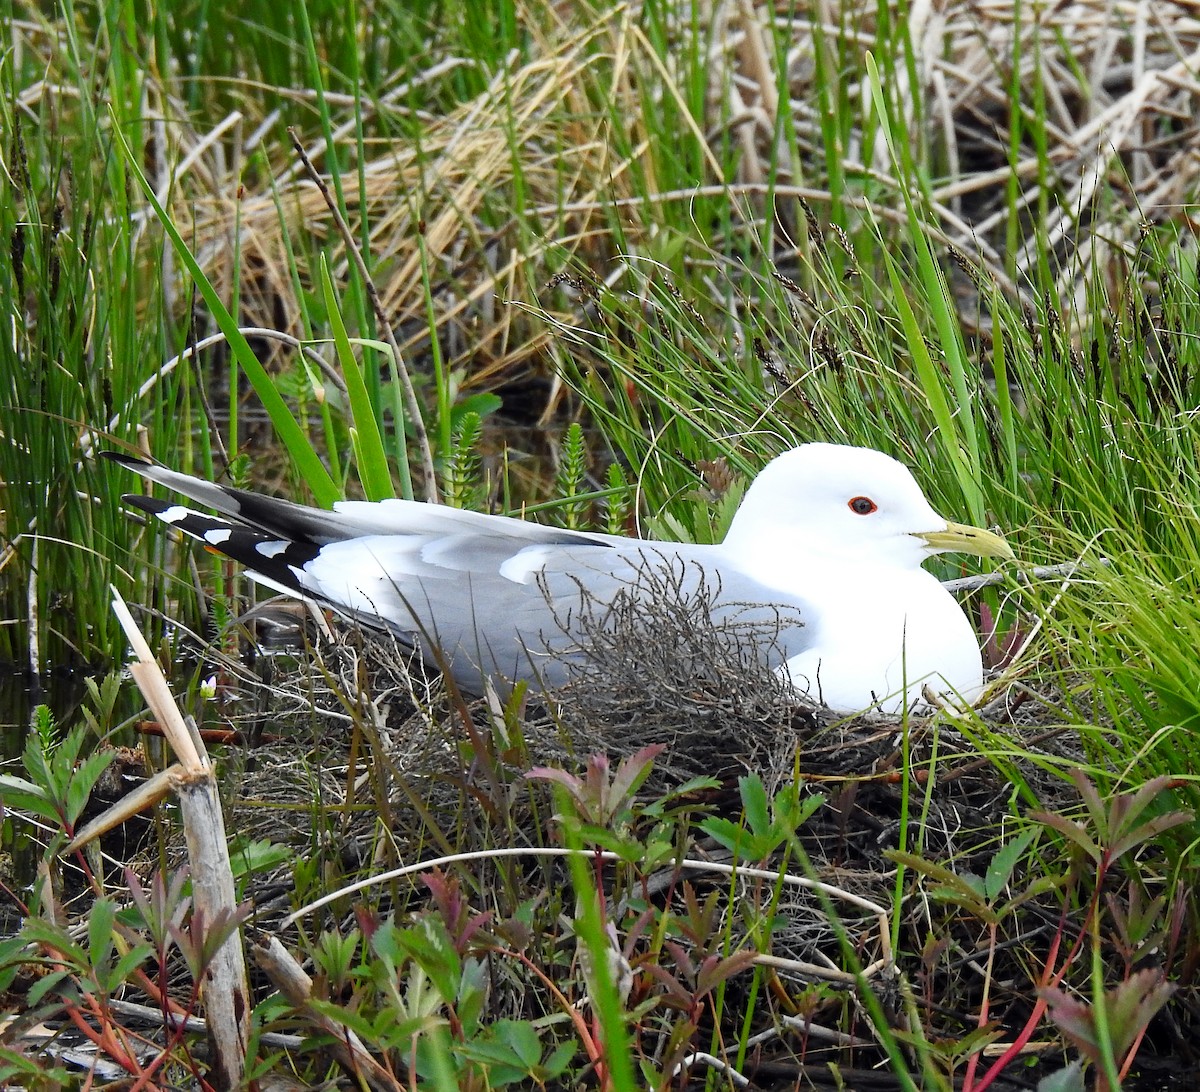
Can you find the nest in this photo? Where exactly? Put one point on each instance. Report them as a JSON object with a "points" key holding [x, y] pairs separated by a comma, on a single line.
{"points": [[653, 674]]}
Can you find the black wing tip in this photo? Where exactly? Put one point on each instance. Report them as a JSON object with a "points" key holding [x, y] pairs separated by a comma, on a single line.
{"points": [[153, 505], [131, 462]]}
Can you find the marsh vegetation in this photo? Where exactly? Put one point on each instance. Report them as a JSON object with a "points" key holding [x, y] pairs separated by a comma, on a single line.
{"points": [[596, 264]]}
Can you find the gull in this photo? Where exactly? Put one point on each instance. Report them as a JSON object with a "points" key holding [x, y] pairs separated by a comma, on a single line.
{"points": [[824, 556]]}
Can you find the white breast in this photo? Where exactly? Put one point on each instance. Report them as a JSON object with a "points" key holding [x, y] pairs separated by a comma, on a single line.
{"points": [[885, 644]]}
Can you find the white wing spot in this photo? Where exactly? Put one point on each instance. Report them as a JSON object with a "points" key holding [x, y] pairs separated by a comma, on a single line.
{"points": [[216, 537], [175, 514], [525, 564], [272, 549]]}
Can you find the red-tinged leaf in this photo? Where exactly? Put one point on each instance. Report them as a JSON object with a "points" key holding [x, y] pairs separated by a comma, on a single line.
{"points": [[1076, 832], [634, 770], [1133, 1004], [681, 957], [1074, 1019], [1095, 805], [1150, 829], [1138, 802], [678, 995], [715, 970], [548, 773]]}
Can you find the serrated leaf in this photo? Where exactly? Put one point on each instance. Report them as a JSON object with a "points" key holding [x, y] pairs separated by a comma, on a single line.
{"points": [[754, 803], [100, 927], [727, 833], [79, 790], [1000, 870]]}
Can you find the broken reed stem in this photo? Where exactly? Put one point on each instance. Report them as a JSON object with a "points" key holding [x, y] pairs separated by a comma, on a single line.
{"points": [[291, 980], [410, 395], [223, 986]]}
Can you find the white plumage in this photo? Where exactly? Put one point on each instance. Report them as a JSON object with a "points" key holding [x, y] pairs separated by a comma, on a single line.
{"points": [[823, 557]]}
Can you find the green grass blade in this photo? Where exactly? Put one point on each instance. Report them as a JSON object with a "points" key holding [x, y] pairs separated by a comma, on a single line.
{"points": [[294, 438], [369, 451]]}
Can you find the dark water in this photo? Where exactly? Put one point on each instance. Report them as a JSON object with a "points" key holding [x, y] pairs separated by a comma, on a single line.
{"points": [[22, 691]]}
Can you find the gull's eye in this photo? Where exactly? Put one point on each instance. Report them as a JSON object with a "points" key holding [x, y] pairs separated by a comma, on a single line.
{"points": [[862, 506]]}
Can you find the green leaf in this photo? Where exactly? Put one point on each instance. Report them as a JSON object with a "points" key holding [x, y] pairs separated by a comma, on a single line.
{"points": [[130, 962], [1069, 1079], [523, 1039], [754, 803], [727, 833], [560, 1057], [18, 794], [79, 790], [50, 984], [1000, 870], [368, 442], [100, 929]]}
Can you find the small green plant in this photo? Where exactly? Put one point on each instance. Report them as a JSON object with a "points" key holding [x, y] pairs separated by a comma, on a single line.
{"points": [[462, 486], [768, 825], [1109, 1028], [569, 481], [58, 782]]}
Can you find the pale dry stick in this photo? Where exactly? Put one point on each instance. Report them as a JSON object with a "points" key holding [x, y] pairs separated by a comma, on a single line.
{"points": [[259, 132], [735, 1078], [1169, 31], [1055, 76], [294, 983], [757, 57], [829, 29], [815, 970], [984, 180], [223, 989], [1141, 160], [416, 418], [945, 113], [691, 864], [812, 1031], [1026, 576], [88, 438], [755, 60], [197, 1024], [205, 142]]}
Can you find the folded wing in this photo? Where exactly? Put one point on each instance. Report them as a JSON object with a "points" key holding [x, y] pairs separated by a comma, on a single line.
{"points": [[496, 596]]}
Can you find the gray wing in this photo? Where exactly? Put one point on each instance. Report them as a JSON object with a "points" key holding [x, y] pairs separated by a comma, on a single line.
{"points": [[494, 595], [535, 613]]}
